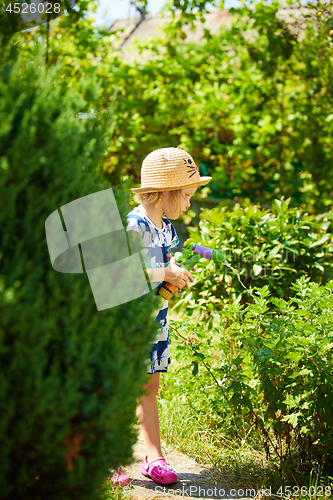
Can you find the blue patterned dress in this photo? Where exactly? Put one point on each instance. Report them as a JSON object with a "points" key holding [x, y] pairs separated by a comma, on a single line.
{"points": [[158, 242]]}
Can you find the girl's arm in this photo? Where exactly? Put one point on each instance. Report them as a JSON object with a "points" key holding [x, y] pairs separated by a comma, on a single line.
{"points": [[172, 274]]}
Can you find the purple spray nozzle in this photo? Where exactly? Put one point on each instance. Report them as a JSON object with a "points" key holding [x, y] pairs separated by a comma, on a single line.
{"points": [[203, 251], [210, 254]]}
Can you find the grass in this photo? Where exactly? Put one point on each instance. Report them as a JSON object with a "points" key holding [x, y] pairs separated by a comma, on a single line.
{"points": [[111, 492], [233, 464], [232, 451]]}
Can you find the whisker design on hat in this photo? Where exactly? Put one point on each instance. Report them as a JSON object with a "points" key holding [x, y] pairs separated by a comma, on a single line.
{"points": [[168, 169], [193, 173]]}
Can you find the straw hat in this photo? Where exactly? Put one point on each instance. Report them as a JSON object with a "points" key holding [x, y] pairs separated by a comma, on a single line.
{"points": [[168, 169]]}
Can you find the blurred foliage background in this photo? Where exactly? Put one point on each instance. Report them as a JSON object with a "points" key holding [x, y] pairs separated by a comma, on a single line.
{"points": [[253, 105]]}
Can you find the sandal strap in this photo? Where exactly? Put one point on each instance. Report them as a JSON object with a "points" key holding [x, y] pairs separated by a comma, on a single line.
{"points": [[160, 462]]}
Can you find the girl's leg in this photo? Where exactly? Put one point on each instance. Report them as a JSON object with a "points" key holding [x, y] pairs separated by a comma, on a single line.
{"points": [[147, 413]]}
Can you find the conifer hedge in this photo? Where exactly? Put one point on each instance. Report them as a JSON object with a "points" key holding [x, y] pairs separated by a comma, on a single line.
{"points": [[70, 375]]}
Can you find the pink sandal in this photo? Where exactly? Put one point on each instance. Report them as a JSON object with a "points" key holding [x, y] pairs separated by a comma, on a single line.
{"points": [[119, 478], [159, 471]]}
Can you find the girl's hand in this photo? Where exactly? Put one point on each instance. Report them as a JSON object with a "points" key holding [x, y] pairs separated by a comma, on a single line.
{"points": [[177, 275]]}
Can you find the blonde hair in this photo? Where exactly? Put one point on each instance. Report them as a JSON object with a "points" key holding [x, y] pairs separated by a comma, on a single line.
{"points": [[156, 198]]}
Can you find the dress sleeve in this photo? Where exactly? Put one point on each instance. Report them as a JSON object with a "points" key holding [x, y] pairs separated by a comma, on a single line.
{"points": [[134, 224], [138, 224], [139, 237]]}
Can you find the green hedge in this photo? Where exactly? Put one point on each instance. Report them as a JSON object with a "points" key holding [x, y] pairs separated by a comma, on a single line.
{"points": [[70, 375], [253, 103]]}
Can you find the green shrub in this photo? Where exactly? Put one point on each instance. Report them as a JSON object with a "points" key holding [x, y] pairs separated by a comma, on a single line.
{"points": [[70, 375], [253, 103], [263, 247], [272, 368]]}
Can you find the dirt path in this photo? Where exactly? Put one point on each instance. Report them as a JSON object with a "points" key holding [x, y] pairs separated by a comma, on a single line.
{"points": [[194, 481]]}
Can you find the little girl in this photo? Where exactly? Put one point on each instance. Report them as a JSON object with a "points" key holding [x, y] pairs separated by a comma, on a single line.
{"points": [[169, 178]]}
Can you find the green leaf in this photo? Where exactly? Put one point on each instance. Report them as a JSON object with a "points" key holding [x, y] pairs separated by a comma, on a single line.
{"points": [[195, 368], [257, 269], [320, 241], [292, 419], [199, 355]]}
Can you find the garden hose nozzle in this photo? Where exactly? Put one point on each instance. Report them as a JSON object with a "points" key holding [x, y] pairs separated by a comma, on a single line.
{"points": [[188, 259]]}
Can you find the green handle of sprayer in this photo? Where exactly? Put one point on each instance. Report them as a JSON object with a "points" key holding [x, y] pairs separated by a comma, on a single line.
{"points": [[188, 265], [191, 262]]}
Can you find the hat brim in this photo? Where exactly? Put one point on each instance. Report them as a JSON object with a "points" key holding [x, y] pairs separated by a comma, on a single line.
{"points": [[203, 181]]}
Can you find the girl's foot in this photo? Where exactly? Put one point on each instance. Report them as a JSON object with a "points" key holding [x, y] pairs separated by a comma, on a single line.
{"points": [[159, 471], [119, 478]]}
